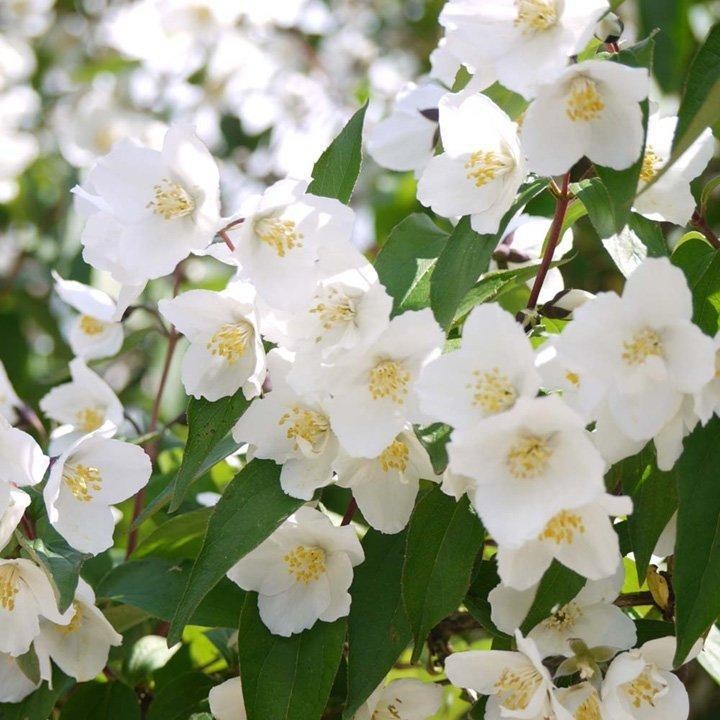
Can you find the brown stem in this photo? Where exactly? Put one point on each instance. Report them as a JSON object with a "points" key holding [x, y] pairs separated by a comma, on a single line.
{"points": [[226, 239], [701, 224], [28, 526], [348, 516], [561, 207], [635, 599]]}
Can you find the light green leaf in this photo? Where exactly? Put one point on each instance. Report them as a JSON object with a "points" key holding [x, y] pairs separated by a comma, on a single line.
{"points": [[599, 205], [287, 678], [251, 508], [701, 264], [444, 538], [180, 538], [337, 170]]}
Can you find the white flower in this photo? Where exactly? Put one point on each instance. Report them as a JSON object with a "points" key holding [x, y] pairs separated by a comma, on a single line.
{"points": [[406, 139], [590, 617], [670, 199], [707, 401], [148, 210], [528, 463], [301, 573], [456, 485], [482, 166], [96, 332], [518, 682], [581, 538], [81, 647], [627, 250], [494, 366], [292, 430], [226, 353], [279, 242], [405, 699], [528, 42], [639, 684], [85, 481], [21, 460], [13, 503], [641, 352], [580, 113], [227, 702], [25, 596], [14, 684], [9, 401], [582, 701], [82, 406], [385, 487], [373, 392]]}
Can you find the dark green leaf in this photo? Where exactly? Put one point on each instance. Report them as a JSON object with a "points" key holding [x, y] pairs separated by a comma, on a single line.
{"points": [[599, 205], [407, 260], [29, 665], [156, 585], [251, 508], [444, 537], [697, 550], [336, 171], [484, 580], [558, 587], [652, 630], [181, 697], [287, 678], [378, 627], [701, 264], [180, 538], [208, 424], [651, 234], [102, 701], [477, 712]]}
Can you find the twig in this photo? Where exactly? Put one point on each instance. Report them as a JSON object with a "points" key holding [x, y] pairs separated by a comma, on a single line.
{"points": [[701, 224], [348, 516]]}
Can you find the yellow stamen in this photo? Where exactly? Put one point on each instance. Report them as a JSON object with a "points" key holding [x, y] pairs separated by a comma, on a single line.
{"points": [[8, 586], [75, 623], [483, 167], [646, 343], [389, 379], [589, 709], [309, 429], [651, 165], [82, 481], [517, 687], [536, 15], [281, 235], [171, 200], [92, 326], [529, 457], [564, 619], [493, 391], [231, 341], [643, 689], [336, 309], [395, 456], [562, 528], [573, 378], [306, 564], [89, 419], [584, 102]]}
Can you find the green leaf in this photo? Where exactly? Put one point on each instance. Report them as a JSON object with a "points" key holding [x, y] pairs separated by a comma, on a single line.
{"points": [[102, 701], [29, 665], [696, 580], [182, 696], [180, 538], [557, 588], [599, 205], [287, 678], [60, 562], [700, 107], [336, 171], [208, 424], [655, 500], [652, 630], [484, 580], [507, 100], [651, 234], [378, 627], [407, 260], [251, 508], [701, 264], [622, 186], [444, 537]]}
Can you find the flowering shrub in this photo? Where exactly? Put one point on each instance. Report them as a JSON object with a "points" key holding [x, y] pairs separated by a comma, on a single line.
{"points": [[435, 484]]}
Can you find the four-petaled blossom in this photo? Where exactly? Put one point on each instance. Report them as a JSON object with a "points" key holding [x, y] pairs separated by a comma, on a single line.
{"points": [[482, 165], [85, 481], [385, 487], [301, 573], [579, 115], [147, 210], [406, 699], [226, 352]]}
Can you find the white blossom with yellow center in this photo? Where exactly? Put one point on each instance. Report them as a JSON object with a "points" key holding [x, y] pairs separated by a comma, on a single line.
{"points": [[405, 699], [301, 573]]}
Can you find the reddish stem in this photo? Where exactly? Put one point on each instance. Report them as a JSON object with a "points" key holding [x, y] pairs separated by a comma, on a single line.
{"points": [[701, 224], [348, 516], [226, 239]]}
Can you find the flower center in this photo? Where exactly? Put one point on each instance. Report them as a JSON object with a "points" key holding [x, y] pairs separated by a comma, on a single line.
{"points": [[395, 456], [309, 429], [643, 689], [584, 102], [529, 457], [493, 391], [565, 618], [650, 166], [171, 200], [306, 564], [389, 379], [82, 481], [562, 528], [89, 419], [516, 687], [75, 622], [536, 15], [589, 709], [645, 344], [231, 341], [281, 235], [483, 167], [388, 712], [336, 309], [92, 326], [8, 586], [573, 378]]}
